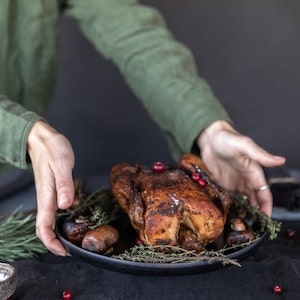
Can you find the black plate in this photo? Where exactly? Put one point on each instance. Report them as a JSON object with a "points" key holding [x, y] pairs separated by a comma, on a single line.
{"points": [[125, 266]]}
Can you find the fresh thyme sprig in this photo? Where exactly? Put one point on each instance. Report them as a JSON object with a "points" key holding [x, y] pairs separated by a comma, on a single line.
{"points": [[99, 207], [266, 224], [173, 255], [100, 217], [17, 237]]}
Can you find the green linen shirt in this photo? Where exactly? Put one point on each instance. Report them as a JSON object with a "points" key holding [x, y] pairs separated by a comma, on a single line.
{"points": [[160, 70]]}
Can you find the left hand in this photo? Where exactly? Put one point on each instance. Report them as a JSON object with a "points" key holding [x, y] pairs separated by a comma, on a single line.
{"points": [[236, 161], [52, 160]]}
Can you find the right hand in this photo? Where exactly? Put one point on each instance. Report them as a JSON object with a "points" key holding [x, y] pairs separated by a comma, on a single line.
{"points": [[236, 163], [52, 161]]}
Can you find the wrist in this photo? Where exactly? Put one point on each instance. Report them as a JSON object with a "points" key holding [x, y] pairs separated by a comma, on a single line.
{"points": [[210, 132], [40, 132]]}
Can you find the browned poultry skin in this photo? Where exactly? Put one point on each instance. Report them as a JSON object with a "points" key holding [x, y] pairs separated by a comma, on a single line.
{"points": [[170, 208]]}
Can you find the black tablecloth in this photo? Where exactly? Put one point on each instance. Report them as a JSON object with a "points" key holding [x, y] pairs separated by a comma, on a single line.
{"points": [[276, 262]]}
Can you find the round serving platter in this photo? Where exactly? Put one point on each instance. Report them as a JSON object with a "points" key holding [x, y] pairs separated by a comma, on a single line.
{"points": [[131, 267]]}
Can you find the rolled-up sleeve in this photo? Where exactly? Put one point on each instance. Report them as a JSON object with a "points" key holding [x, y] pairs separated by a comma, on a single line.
{"points": [[160, 70], [15, 125]]}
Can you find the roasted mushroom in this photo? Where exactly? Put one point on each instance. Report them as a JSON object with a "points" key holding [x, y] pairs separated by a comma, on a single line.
{"points": [[238, 232], [100, 239], [242, 213], [75, 229]]}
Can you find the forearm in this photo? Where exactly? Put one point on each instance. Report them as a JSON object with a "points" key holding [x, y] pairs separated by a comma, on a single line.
{"points": [[160, 70]]}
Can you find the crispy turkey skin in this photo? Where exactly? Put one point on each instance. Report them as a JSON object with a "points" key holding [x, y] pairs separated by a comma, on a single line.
{"points": [[171, 207]]}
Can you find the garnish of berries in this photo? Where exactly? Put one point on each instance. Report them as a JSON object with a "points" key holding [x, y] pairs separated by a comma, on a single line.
{"points": [[67, 295], [277, 289], [158, 167], [202, 182], [290, 233], [197, 178]]}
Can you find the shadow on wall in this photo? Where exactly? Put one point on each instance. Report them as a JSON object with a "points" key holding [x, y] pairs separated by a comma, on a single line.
{"points": [[247, 50]]}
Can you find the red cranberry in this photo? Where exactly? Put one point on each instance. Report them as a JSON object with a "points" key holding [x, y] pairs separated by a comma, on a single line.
{"points": [[67, 295], [290, 233], [201, 182], [195, 176], [138, 241], [158, 167], [277, 289]]}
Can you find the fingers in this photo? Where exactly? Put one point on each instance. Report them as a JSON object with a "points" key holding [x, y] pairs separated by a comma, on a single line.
{"points": [[258, 154], [259, 196], [262, 199], [265, 201], [52, 160], [65, 191], [257, 188], [236, 163], [44, 231], [46, 217], [52, 195]]}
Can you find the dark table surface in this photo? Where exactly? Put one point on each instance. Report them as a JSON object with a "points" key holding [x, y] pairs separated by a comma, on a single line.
{"points": [[275, 262]]}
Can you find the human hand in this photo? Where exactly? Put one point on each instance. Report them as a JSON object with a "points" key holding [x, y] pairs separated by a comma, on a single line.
{"points": [[236, 161], [52, 160]]}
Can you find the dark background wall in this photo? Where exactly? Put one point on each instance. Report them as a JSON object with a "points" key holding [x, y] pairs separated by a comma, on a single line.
{"points": [[247, 50]]}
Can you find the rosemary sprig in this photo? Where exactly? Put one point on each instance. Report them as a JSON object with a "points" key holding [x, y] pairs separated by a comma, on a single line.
{"points": [[17, 237]]}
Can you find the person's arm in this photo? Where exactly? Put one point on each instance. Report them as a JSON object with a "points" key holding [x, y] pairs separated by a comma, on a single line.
{"points": [[160, 70], [15, 125], [29, 36], [162, 73], [28, 140]]}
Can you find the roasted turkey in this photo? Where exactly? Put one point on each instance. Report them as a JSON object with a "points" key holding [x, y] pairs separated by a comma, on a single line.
{"points": [[177, 205]]}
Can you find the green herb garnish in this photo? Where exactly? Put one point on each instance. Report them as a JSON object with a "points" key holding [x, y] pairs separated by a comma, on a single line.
{"points": [[266, 224], [172, 255], [17, 237]]}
